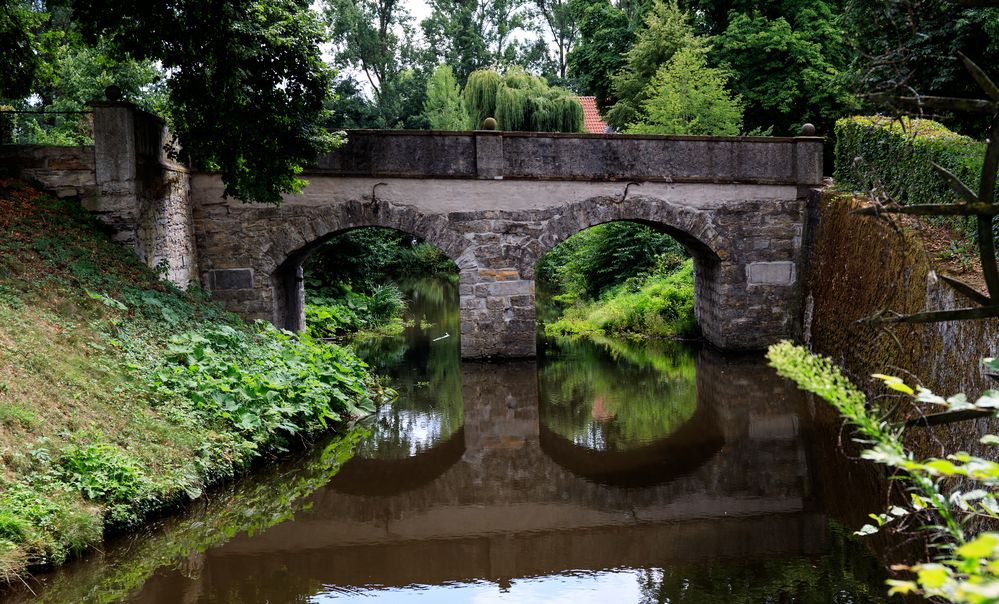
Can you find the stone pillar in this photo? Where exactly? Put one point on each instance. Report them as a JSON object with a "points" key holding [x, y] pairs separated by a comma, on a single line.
{"points": [[497, 313], [116, 170], [141, 195]]}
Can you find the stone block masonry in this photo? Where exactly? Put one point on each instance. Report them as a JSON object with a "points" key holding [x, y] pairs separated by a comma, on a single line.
{"points": [[494, 202]]}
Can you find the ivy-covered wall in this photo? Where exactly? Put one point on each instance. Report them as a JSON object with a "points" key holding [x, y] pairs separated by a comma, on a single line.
{"points": [[860, 266]]}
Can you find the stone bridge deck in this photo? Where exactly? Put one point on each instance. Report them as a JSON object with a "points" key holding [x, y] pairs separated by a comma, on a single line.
{"points": [[494, 202]]}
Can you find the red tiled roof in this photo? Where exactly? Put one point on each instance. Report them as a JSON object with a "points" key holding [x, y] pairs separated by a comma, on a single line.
{"points": [[592, 122]]}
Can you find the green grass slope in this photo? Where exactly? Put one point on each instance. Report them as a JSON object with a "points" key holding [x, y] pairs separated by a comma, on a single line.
{"points": [[121, 396]]}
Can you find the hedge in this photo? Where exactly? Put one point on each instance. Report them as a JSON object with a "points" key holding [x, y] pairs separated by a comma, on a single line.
{"points": [[900, 151]]}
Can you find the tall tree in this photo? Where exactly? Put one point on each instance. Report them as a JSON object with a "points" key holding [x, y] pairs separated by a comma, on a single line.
{"points": [[604, 36], [474, 34], [560, 19], [247, 82], [443, 108], [20, 61], [375, 37], [521, 101], [667, 30], [688, 97], [788, 70]]}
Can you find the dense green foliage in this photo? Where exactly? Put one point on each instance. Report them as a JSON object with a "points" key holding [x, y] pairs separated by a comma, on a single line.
{"points": [[788, 60], [121, 395], [966, 566], [20, 62], [352, 280], [366, 258], [893, 158], [688, 97], [910, 46], [897, 156], [658, 305], [476, 34], [443, 107], [349, 311], [521, 101], [667, 30], [233, 67], [376, 37], [618, 278], [604, 36], [66, 73], [601, 257]]}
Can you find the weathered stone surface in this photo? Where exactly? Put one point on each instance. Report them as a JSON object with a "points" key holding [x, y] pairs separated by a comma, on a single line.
{"points": [[770, 273], [493, 202], [231, 278]]}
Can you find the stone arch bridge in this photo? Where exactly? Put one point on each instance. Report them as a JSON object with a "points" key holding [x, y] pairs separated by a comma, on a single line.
{"points": [[494, 202]]}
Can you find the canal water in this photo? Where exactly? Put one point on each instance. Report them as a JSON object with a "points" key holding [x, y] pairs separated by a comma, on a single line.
{"points": [[606, 471]]}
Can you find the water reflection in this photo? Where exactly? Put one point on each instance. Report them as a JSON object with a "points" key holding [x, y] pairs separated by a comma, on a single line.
{"points": [[607, 472], [613, 395]]}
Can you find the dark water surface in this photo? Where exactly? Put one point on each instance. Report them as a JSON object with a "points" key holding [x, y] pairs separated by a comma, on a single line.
{"points": [[607, 471]]}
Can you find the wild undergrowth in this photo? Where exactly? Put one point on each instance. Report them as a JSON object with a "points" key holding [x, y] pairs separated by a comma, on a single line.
{"points": [[331, 314], [121, 395], [948, 496], [660, 304], [619, 278]]}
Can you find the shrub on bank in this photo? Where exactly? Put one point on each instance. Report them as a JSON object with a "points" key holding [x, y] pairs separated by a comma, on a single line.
{"points": [[337, 313], [121, 395], [660, 305]]}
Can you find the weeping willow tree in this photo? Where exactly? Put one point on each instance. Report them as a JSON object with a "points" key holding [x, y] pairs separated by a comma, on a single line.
{"points": [[479, 95], [521, 101]]}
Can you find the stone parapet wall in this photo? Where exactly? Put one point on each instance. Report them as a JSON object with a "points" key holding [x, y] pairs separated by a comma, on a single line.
{"points": [[599, 157], [126, 181], [63, 171]]}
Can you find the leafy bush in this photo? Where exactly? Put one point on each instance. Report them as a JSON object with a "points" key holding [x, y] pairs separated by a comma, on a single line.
{"points": [[590, 262], [966, 566], [328, 317], [365, 258], [897, 156], [661, 305], [265, 383]]}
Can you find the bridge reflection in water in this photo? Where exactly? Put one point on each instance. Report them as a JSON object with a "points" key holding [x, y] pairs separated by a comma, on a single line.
{"points": [[547, 478]]}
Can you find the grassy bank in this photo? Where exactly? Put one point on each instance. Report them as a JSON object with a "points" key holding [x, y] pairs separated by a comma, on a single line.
{"points": [[658, 305], [121, 396], [618, 279]]}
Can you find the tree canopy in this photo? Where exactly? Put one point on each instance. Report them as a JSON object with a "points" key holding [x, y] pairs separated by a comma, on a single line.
{"points": [[521, 101], [667, 30], [688, 97], [443, 108]]}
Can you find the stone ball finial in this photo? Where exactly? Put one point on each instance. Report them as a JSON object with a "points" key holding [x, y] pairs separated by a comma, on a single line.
{"points": [[807, 129], [112, 93], [489, 123]]}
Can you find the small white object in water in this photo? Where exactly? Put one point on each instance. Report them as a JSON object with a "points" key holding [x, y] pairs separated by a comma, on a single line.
{"points": [[446, 334]]}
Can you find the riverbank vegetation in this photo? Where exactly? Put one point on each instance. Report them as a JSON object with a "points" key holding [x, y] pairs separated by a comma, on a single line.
{"points": [[352, 280], [122, 395], [619, 278], [947, 497]]}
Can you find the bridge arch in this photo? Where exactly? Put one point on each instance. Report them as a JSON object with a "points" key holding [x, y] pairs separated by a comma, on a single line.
{"points": [[302, 235], [691, 228]]}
